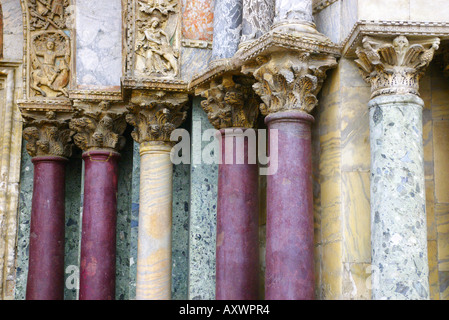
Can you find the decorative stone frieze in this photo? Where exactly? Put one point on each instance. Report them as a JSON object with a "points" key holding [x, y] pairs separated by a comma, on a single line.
{"points": [[155, 114], [98, 126], [47, 135], [395, 67]]}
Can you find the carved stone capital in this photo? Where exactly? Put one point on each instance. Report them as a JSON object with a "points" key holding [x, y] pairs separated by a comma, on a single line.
{"points": [[98, 126], [289, 80], [155, 114], [47, 134], [395, 67], [231, 102]]}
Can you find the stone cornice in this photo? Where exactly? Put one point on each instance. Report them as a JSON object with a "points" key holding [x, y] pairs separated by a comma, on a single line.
{"points": [[41, 105], [95, 95], [411, 29], [169, 85]]}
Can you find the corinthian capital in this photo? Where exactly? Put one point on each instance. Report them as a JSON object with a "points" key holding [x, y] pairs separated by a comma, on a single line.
{"points": [[231, 102], [289, 81], [155, 114], [395, 67], [47, 135], [98, 126]]}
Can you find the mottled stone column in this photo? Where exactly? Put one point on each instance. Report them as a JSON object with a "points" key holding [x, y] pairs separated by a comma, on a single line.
{"points": [[287, 103], [257, 19], [98, 130], [227, 28], [237, 244], [154, 118], [398, 202], [48, 143]]}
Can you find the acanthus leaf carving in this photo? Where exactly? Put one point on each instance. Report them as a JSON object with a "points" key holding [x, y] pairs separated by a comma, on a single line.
{"points": [[155, 115], [395, 67], [289, 81], [47, 136], [98, 126], [231, 102]]}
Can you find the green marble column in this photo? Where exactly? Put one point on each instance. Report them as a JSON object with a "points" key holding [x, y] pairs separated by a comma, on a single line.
{"points": [[203, 212]]}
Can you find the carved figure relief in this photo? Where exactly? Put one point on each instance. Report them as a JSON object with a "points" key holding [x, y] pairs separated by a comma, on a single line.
{"points": [[156, 39], [50, 58], [395, 67]]}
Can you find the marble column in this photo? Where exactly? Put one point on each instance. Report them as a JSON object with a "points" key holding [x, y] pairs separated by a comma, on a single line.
{"points": [[290, 246], [398, 202], [293, 12], [154, 118], [257, 19], [227, 28], [98, 130], [237, 255], [237, 241], [48, 143], [289, 258]]}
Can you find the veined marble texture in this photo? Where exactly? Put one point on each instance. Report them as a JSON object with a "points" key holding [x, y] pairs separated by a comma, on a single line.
{"points": [[290, 10], [198, 19], [155, 222], [258, 17], [99, 43], [227, 28]]}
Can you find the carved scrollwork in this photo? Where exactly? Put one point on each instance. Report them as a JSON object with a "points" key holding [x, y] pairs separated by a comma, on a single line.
{"points": [[47, 136], [231, 102], [289, 81], [98, 127], [395, 67], [45, 13], [154, 115]]}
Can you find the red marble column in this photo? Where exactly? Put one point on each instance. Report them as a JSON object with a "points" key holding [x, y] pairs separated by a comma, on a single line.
{"points": [[98, 240], [46, 248], [237, 255], [289, 255]]}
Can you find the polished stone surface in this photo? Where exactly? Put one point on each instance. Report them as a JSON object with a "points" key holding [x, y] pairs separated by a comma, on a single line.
{"points": [[203, 212], [198, 19], [398, 203], [46, 249], [98, 41], [237, 255], [258, 17], [98, 240], [227, 28], [290, 230]]}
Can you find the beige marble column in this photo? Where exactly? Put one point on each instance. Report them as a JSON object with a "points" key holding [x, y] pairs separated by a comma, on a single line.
{"points": [[154, 118]]}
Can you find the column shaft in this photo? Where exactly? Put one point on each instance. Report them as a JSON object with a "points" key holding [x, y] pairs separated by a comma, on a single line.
{"points": [[398, 214], [98, 242], [289, 254], [46, 248], [227, 28], [237, 262], [155, 221], [257, 19]]}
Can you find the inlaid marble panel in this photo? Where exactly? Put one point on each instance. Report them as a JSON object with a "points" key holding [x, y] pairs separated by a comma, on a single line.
{"points": [[198, 19]]}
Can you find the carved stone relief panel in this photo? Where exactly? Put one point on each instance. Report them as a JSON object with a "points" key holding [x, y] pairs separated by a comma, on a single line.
{"points": [[153, 31], [48, 49]]}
